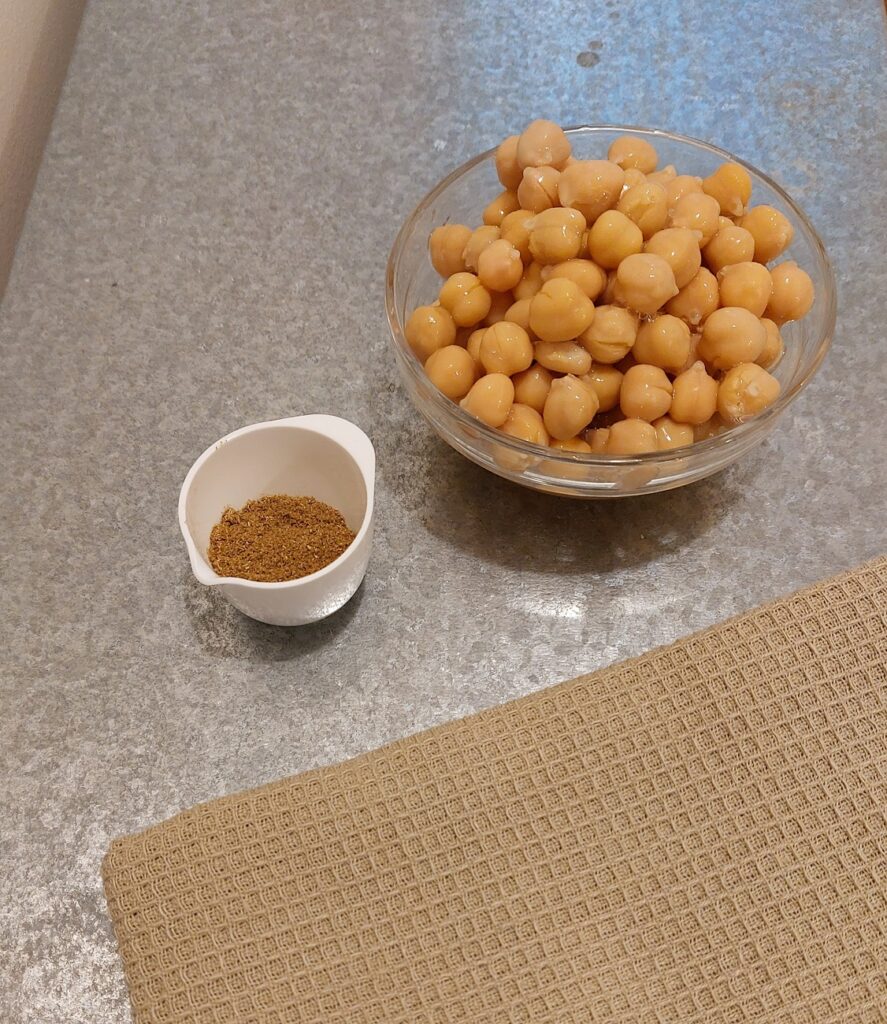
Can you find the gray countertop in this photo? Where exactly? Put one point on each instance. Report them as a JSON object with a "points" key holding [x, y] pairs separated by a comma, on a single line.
{"points": [[205, 249]]}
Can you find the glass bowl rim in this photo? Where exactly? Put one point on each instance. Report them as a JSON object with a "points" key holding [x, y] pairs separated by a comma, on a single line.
{"points": [[711, 444]]}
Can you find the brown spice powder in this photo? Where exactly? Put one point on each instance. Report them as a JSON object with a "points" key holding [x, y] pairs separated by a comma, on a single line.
{"points": [[277, 538]]}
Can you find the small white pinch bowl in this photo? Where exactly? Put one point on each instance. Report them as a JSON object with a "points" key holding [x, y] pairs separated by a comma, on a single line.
{"points": [[323, 457]]}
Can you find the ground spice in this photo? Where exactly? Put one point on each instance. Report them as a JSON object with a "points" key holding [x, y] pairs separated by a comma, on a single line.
{"points": [[277, 538]]}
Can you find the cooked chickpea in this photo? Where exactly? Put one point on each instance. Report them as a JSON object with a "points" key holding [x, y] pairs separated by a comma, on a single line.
{"points": [[556, 235], [663, 342], [644, 282], [507, 167], [480, 239], [699, 213], [559, 311], [730, 245], [500, 303], [543, 144], [496, 211], [563, 357], [792, 294], [730, 184], [745, 390], [445, 247], [664, 176], [679, 247], [771, 230], [539, 189], [773, 348], [646, 205], [631, 437], [573, 444], [612, 237], [530, 282], [746, 284], [428, 329], [514, 229], [606, 382], [532, 386], [590, 278], [506, 348], [670, 434], [679, 186], [499, 266], [465, 298], [693, 354], [490, 399], [696, 300], [630, 151], [569, 407], [597, 439], [645, 393], [591, 187], [694, 395], [731, 335], [452, 370], [525, 423], [633, 177], [519, 313], [472, 346], [611, 334]]}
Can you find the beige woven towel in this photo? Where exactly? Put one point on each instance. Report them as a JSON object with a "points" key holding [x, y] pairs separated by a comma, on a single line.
{"points": [[695, 835]]}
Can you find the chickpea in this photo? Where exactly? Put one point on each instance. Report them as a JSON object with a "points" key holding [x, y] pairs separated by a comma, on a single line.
{"points": [[680, 186], [569, 407], [606, 382], [696, 300], [472, 346], [543, 144], [445, 247], [563, 357], [591, 187], [693, 354], [664, 176], [506, 348], [597, 439], [646, 205], [490, 399], [773, 348], [670, 434], [694, 395], [633, 177], [556, 235], [573, 444], [496, 211], [731, 335], [590, 278], [679, 248], [730, 184], [630, 151], [746, 284], [611, 334], [519, 313], [530, 282], [663, 342], [792, 294], [507, 167], [725, 222], [539, 189], [745, 390], [646, 393], [771, 230], [525, 423], [631, 437], [514, 229], [699, 213], [644, 282], [499, 266], [612, 237], [465, 298], [452, 370], [480, 239], [532, 386], [428, 329], [730, 245], [500, 303], [559, 311]]}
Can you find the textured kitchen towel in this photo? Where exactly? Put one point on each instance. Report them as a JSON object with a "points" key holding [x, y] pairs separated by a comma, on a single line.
{"points": [[695, 835]]}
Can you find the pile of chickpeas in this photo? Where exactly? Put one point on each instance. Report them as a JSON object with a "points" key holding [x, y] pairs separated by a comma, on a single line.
{"points": [[607, 306]]}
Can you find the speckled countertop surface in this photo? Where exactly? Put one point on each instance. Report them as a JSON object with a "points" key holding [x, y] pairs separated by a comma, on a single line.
{"points": [[205, 248]]}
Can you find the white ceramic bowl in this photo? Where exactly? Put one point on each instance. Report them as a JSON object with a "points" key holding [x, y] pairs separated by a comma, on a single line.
{"points": [[321, 456]]}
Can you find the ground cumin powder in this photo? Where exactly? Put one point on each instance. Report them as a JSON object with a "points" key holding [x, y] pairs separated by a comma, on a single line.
{"points": [[277, 538]]}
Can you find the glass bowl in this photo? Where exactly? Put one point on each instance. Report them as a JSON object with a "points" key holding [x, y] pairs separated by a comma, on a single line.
{"points": [[412, 281]]}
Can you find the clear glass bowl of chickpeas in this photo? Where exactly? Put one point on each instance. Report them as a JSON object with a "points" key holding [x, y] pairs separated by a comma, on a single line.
{"points": [[630, 312]]}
